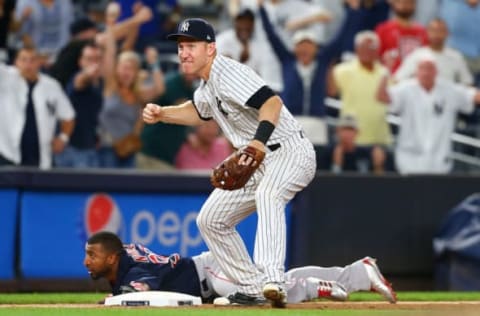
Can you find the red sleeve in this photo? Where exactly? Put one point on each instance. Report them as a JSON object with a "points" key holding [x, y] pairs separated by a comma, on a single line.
{"points": [[380, 32], [425, 37]]}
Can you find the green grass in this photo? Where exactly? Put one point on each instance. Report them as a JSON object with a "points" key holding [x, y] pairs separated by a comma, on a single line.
{"points": [[89, 298], [220, 312], [420, 296], [51, 298], [187, 312]]}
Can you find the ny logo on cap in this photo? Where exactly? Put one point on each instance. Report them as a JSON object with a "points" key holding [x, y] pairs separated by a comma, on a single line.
{"points": [[185, 26]]}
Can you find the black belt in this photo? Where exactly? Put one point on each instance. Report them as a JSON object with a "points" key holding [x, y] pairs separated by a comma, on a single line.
{"points": [[274, 147]]}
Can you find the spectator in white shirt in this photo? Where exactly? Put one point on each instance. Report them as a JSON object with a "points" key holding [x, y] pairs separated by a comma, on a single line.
{"points": [[246, 36], [451, 63], [33, 104], [427, 106]]}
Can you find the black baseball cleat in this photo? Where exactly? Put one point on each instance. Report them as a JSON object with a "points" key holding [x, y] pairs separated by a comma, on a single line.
{"points": [[239, 299]]}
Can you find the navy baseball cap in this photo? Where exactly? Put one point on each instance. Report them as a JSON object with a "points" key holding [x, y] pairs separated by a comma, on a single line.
{"points": [[194, 28]]}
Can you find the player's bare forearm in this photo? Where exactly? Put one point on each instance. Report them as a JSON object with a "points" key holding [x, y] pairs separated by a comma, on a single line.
{"points": [[183, 114], [270, 110]]}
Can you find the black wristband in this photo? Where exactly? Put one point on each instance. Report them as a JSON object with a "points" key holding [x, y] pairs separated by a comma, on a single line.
{"points": [[264, 131]]}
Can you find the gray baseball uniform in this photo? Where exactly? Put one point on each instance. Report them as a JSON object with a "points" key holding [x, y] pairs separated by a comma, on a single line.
{"points": [[299, 288], [232, 96]]}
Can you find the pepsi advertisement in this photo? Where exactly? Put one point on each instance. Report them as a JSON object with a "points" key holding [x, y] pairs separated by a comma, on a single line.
{"points": [[55, 226], [8, 221]]}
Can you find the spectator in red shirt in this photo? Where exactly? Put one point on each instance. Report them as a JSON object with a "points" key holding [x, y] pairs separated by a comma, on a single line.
{"points": [[204, 148], [400, 35]]}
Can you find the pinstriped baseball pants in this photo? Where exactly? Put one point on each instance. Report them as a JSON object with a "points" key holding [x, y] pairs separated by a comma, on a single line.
{"points": [[284, 172]]}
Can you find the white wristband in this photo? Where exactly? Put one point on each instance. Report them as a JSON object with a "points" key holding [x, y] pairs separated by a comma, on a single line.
{"points": [[64, 137]]}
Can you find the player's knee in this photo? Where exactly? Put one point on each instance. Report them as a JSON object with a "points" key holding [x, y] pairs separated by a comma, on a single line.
{"points": [[202, 222], [207, 223]]}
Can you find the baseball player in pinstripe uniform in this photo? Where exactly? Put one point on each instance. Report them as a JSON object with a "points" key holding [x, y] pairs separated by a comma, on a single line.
{"points": [[249, 113]]}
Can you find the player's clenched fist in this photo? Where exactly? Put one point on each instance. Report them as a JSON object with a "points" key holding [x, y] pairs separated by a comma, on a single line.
{"points": [[152, 113]]}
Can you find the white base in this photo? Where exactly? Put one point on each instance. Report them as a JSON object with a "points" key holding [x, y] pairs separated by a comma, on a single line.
{"points": [[153, 298]]}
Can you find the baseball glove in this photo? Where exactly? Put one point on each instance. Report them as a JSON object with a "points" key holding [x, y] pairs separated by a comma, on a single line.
{"points": [[229, 175]]}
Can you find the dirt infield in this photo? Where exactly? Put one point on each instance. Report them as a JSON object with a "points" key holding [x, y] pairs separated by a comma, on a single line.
{"points": [[443, 306]]}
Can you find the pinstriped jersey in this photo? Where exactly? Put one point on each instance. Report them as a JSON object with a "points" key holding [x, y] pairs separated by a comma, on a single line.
{"points": [[232, 96]]}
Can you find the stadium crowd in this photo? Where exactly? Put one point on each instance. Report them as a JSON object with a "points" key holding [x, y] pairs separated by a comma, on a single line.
{"points": [[75, 75]]}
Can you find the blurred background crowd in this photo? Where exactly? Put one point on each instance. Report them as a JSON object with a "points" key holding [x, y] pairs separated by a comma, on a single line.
{"points": [[379, 85]]}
